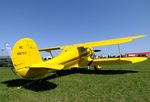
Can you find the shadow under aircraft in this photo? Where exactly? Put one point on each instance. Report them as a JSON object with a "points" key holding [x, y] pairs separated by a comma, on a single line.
{"points": [[44, 84]]}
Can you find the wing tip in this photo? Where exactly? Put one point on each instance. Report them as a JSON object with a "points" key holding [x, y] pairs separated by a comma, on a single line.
{"points": [[139, 36]]}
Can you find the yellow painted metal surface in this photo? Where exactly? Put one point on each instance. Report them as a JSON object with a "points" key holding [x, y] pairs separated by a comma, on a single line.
{"points": [[28, 63], [24, 54]]}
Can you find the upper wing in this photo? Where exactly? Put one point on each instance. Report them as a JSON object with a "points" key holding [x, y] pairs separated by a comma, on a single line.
{"points": [[110, 42], [98, 43]]}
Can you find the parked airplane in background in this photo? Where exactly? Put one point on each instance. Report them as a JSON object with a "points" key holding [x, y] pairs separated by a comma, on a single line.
{"points": [[28, 63]]}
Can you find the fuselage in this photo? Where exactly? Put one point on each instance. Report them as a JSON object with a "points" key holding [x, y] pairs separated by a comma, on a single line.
{"points": [[73, 57]]}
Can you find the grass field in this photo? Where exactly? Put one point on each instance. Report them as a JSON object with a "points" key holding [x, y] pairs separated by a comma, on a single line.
{"points": [[119, 83]]}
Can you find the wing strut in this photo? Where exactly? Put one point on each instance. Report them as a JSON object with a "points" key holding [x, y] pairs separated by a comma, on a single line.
{"points": [[119, 50], [51, 54]]}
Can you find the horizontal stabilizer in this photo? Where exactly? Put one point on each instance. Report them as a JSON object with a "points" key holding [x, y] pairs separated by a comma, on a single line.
{"points": [[49, 49], [48, 66], [126, 60]]}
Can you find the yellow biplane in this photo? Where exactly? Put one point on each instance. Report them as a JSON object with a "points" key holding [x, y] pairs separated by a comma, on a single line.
{"points": [[28, 62]]}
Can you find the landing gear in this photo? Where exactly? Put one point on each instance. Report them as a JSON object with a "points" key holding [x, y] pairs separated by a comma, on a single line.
{"points": [[57, 73], [97, 68]]}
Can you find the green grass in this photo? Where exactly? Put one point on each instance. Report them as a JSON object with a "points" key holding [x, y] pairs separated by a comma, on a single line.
{"points": [[119, 83]]}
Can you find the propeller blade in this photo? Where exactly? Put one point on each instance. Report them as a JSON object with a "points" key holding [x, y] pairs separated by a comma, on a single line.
{"points": [[97, 50]]}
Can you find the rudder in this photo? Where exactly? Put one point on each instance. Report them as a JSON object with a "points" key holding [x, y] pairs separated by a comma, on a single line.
{"points": [[25, 53]]}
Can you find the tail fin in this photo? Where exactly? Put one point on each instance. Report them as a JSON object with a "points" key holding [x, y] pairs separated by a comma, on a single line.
{"points": [[25, 53]]}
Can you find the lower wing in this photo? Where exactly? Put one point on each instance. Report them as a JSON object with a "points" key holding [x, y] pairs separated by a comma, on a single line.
{"points": [[110, 61]]}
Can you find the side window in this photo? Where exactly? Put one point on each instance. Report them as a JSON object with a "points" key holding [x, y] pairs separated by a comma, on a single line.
{"points": [[82, 49]]}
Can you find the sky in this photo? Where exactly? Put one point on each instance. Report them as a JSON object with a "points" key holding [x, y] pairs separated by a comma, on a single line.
{"points": [[60, 22]]}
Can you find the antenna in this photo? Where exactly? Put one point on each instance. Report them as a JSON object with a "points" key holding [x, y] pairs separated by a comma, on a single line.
{"points": [[119, 51]]}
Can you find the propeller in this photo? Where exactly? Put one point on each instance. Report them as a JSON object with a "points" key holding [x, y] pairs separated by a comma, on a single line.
{"points": [[97, 50], [93, 57]]}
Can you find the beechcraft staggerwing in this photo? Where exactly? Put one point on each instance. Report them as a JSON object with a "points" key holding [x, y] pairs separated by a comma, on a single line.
{"points": [[28, 62]]}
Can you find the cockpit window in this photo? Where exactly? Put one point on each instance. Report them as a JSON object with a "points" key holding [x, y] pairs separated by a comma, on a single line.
{"points": [[82, 49]]}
